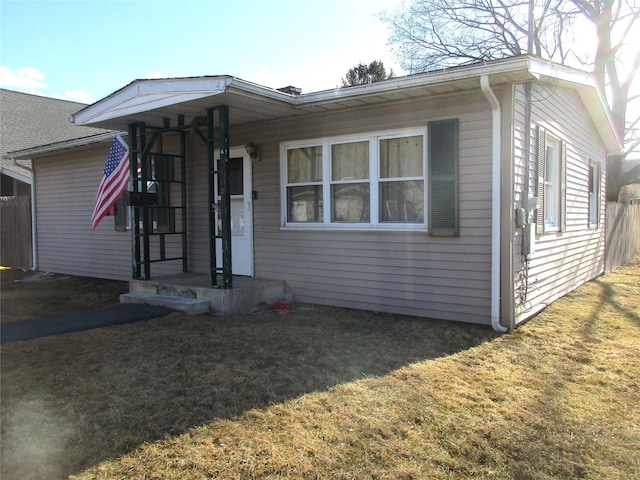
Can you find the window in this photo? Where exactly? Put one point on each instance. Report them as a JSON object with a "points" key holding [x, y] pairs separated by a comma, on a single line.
{"points": [[594, 194], [401, 182], [371, 181], [552, 183], [551, 211], [304, 184], [122, 218], [350, 187]]}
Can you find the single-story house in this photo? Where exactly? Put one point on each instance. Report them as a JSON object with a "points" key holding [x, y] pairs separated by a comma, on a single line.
{"points": [[470, 194], [28, 121]]}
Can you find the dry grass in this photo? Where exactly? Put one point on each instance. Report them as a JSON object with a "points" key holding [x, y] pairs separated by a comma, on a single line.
{"points": [[31, 295], [332, 393]]}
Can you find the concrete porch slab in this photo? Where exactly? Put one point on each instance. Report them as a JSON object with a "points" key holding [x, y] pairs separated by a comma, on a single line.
{"points": [[245, 296], [180, 304]]}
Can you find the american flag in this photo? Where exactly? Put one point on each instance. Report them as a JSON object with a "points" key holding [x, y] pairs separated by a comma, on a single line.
{"points": [[114, 180]]}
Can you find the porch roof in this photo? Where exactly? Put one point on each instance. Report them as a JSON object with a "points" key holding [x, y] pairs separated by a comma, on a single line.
{"points": [[151, 101]]}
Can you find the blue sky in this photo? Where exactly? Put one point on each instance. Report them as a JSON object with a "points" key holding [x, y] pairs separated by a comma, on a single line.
{"points": [[84, 50]]}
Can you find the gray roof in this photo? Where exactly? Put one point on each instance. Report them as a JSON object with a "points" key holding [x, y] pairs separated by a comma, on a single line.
{"points": [[30, 120]]}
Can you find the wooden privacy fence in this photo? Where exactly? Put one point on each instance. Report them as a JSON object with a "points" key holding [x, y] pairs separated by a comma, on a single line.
{"points": [[15, 233], [623, 234]]}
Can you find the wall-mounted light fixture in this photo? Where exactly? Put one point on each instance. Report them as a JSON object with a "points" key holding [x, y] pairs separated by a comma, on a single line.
{"points": [[253, 151]]}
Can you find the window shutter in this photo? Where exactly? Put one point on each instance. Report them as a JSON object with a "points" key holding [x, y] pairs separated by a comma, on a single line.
{"points": [[563, 186], [443, 178], [542, 149]]}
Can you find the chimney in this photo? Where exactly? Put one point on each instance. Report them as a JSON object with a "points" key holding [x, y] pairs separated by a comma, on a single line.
{"points": [[290, 90]]}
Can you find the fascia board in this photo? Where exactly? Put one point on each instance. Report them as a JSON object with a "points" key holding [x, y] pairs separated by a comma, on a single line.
{"points": [[596, 105], [541, 68], [237, 85], [144, 95], [58, 146], [591, 95], [509, 66], [16, 175]]}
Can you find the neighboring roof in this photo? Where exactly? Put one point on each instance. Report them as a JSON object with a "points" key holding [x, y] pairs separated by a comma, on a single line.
{"points": [[151, 101], [28, 121]]}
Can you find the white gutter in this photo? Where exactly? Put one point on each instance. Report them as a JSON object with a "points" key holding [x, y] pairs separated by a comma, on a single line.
{"points": [[496, 141], [30, 153]]}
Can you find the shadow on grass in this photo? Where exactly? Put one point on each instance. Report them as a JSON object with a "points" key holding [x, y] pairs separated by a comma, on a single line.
{"points": [[608, 297], [71, 401], [562, 441]]}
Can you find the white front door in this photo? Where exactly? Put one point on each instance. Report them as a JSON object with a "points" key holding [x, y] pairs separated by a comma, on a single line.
{"points": [[241, 215]]}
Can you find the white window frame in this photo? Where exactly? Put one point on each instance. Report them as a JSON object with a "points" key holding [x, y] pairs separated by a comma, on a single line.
{"points": [[552, 191], [374, 181]]}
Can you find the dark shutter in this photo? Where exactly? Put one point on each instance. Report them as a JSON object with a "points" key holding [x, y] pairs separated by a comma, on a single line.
{"points": [[542, 151], [443, 178]]}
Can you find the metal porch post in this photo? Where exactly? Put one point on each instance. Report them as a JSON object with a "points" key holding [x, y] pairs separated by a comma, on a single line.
{"points": [[218, 174], [225, 196]]}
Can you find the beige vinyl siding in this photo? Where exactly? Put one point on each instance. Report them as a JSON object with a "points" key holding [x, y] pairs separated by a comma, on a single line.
{"points": [[561, 261], [197, 206], [389, 271], [65, 189], [520, 195], [66, 186]]}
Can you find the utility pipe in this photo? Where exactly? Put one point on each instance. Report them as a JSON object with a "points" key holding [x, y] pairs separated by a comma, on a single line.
{"points": [[496, 140]]}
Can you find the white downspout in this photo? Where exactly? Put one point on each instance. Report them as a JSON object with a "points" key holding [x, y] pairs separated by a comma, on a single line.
{"points": [[496, 141]]}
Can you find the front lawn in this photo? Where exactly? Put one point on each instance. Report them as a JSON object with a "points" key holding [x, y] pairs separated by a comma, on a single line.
{"points": [[332, 393]]}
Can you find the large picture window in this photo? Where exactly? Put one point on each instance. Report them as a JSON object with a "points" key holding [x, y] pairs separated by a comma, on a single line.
{"points": [[377, 180], [350, 190]]}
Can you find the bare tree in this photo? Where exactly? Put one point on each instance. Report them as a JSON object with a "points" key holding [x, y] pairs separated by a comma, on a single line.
{"points": [[433, 34], [616, 68]]}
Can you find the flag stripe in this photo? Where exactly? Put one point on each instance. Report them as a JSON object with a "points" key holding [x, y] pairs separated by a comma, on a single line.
{"points": [[111, 192], [114, 180]]}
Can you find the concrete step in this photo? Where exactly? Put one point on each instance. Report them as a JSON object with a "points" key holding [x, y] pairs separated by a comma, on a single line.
{"points": [[180, 304], [246, 295]]}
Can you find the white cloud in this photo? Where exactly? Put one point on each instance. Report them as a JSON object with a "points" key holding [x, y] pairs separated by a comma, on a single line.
{"points": [[25, 79], [31, 80]]}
